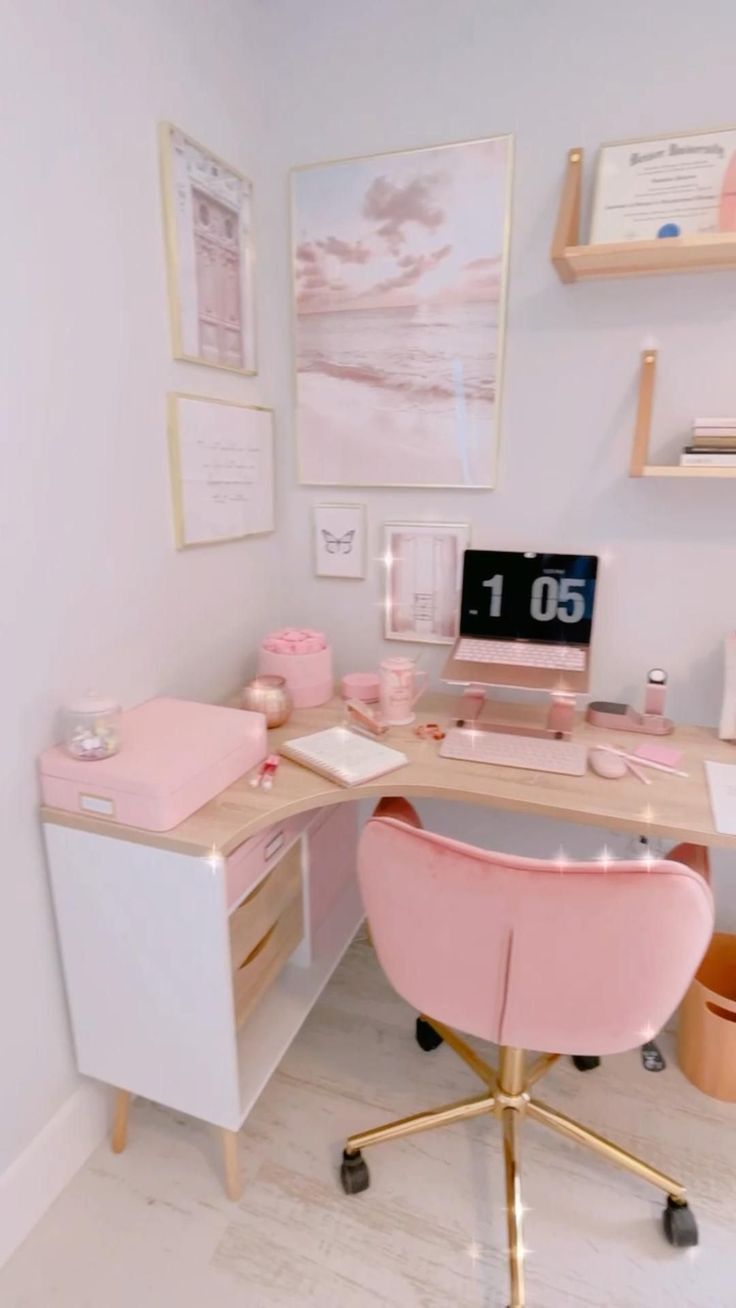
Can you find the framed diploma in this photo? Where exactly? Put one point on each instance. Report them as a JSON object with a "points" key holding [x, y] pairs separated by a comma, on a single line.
{"points": [[666, 186]]}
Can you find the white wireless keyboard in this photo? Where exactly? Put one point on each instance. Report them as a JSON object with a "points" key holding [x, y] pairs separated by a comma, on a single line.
{"points": [[533, 752], [517, 654]]}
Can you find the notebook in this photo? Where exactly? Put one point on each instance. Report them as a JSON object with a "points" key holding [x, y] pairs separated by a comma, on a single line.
{"points": [[343, 756]]}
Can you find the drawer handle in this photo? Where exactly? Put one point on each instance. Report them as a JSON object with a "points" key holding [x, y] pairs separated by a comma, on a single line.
{"points": [[257, 949], [274, 844], [726, 1013]]}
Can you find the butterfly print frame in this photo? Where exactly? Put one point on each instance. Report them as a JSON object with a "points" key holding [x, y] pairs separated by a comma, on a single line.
{"points": [[339, 540]]}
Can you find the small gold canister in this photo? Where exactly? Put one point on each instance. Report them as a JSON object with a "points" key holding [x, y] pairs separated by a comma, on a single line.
{"points": [[270, 696]]}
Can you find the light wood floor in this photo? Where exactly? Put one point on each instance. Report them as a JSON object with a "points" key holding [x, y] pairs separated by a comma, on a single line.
{"points": [[152, 1228]]}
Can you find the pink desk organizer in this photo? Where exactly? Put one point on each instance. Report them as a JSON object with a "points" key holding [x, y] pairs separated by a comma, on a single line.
{"points": [[174, 757], [304, 659]]}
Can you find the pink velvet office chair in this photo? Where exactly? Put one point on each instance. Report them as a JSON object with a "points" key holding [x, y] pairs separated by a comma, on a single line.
{"points": [[528, 954]]}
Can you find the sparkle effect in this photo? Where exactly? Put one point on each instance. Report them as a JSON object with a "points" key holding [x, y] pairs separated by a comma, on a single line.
{"points": [[214, 859]]}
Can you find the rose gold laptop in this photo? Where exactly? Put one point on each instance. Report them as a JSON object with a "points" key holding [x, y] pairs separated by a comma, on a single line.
{"points": [[525, 620]]}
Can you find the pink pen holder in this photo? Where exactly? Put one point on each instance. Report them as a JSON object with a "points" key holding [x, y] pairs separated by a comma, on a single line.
{"points": [[304, 659]]}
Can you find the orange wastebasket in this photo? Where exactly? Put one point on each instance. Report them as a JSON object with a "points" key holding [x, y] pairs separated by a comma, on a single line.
{"points": [[706, 1037]]}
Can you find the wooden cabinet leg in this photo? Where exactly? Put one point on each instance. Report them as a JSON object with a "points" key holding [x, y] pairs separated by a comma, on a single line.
{"points": [[120, 1121], [233, 1185]]}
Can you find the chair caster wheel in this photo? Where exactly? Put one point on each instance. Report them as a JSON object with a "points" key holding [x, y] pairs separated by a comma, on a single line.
{"points": [[586, 1062], [427, 1038], [354, 1173], [680, 1226]]}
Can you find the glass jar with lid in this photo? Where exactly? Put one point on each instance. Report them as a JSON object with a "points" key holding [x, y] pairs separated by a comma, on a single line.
{"points": [[92, 727]]}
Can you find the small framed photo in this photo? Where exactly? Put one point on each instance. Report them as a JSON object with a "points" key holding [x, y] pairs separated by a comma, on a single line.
{"points": [[424, 566], [339, 540], [648, 190], [208, 223]]}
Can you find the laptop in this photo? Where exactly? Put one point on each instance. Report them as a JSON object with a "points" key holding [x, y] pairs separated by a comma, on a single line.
{"points": [[525, 620]]}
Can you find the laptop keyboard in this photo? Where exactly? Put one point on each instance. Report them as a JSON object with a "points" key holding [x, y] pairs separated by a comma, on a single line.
{"points": [[521, 654]]}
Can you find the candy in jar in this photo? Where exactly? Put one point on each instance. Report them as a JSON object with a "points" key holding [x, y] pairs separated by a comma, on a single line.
{"points": [[92, 727]]}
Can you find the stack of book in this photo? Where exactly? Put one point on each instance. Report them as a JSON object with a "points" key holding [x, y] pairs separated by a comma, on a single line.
{"points": [[712, 444]]}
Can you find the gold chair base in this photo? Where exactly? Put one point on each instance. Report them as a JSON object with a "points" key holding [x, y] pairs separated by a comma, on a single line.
{"points": [[508, 1098]]}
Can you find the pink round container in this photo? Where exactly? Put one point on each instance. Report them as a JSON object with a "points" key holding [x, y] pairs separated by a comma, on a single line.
{"points": [[364, 686], [308, 675]]}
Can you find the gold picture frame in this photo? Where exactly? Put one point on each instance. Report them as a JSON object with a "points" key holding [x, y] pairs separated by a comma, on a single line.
{"points": [[229, 481], [210, 259], [316, 239]]}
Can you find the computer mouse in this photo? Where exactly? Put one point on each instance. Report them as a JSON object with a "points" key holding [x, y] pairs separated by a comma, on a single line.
{"points": [[611, 766]]}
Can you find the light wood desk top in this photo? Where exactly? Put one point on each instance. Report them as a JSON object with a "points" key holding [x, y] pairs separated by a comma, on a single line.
{"points": [[672, 807]]}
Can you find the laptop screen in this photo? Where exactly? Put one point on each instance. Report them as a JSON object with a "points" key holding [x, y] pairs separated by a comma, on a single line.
{"points": [[546, 598]]}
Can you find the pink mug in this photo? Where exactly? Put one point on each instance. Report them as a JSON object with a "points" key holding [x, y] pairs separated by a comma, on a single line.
{"points": [[401, 684]]}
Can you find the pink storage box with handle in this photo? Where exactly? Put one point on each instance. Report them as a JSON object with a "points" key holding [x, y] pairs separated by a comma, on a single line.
{"points": [[174, 757]]}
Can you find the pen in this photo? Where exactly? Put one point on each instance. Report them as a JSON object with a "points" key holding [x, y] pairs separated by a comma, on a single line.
{"points": [[647, 781]]}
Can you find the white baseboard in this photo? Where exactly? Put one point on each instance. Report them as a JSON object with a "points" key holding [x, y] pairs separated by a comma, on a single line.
{"points": [[38, 1176]]}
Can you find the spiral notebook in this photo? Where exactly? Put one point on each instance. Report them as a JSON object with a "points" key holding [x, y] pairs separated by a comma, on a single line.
{"points": [[343, 756]]}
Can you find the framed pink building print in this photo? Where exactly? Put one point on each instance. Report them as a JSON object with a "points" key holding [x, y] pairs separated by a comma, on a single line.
{"points": [[424, 565], [209, 251], [399, 273]]}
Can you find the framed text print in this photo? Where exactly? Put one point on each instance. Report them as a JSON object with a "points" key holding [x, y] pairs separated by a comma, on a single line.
{"points": [[339, 540], [424, 566], [399, 270], [221, 458], [209, 254]]}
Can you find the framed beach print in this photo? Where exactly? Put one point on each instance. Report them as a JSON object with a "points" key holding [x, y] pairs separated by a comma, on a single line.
{"points": [[208, 226], [399, 273], [221, 463], [665, 186], [339, 540], [424, 567]]}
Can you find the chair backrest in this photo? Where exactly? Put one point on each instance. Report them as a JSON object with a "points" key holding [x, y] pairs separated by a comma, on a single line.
{"points": [[573, 958]]}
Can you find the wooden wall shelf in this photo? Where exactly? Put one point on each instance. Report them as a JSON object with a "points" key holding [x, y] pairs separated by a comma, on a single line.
{"points": [[575, 262], [638, 466]]}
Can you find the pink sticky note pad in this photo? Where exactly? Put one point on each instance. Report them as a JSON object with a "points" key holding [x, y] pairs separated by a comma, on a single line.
{"points": [[657, 753]]}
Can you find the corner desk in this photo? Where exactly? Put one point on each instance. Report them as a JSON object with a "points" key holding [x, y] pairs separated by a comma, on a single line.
{"points": [[191, 957]]}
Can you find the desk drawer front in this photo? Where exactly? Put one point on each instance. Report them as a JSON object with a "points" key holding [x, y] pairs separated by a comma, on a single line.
{"points": [[246, 865]]}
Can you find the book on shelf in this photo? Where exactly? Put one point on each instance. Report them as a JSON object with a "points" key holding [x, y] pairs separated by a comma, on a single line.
{"points": [[713, 443], [697, 458], [716, 429], [343, 756]]}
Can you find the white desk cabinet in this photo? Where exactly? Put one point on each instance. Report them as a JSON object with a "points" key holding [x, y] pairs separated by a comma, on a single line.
{"points": [[162, 951]]}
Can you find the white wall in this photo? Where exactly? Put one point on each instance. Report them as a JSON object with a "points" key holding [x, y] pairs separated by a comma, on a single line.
{"points": [[92, 590], [352, 78]]}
